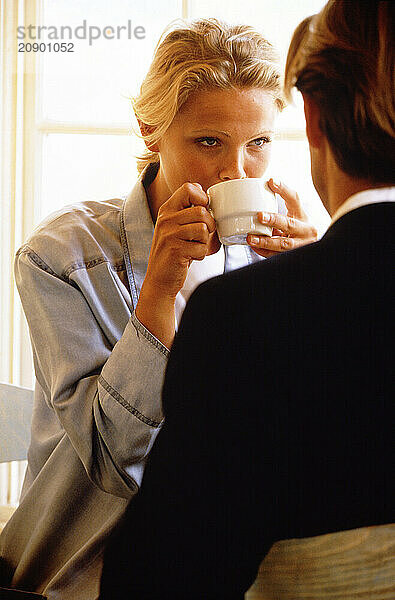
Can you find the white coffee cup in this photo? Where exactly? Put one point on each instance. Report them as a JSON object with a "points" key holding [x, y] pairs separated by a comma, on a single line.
{"points": [[234, 205]]}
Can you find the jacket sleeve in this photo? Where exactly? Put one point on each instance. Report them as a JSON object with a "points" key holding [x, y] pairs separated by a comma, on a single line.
{"points": [[106, 398], [194, 520]]}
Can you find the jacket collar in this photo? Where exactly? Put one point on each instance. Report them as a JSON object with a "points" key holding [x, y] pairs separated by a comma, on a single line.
{"points": [[137, 231], [353, 223], [369, 196]]}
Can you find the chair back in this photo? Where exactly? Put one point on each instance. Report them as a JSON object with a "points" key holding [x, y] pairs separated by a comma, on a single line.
{"points": [[16, 408], [351, 565]]}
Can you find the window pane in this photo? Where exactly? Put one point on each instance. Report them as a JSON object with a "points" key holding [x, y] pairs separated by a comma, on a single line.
{"points": [[85, 167], [275, 20], [90, 83]]}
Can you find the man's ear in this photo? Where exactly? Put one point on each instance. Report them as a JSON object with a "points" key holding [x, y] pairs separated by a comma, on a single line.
{"points": [[313, 128], [147, 130]]}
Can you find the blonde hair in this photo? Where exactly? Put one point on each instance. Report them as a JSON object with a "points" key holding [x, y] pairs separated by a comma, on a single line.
{"points": [[202, 54], [343, 58]]}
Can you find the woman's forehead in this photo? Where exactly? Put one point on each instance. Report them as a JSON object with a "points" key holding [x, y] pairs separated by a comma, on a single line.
{"points": [[209, 108]]}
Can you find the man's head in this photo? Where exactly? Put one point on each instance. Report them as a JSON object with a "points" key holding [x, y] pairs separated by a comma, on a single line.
{"points": [[342, 60]]}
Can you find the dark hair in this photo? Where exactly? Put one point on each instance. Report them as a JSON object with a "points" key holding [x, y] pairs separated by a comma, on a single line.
{"points": [[343, 58]]}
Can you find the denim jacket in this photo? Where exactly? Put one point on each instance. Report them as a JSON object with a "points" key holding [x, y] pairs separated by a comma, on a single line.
{"points": [[97, 407]]}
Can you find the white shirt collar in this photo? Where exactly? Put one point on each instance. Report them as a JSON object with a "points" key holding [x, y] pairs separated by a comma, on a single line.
{"points": [[370, 196]]}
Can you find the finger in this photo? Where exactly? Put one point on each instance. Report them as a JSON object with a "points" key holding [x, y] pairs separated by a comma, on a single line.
{"points": [[263, 252], [189, 194], [290, 197], [195, 214], [288, 225], [193, 249], [272, 244], [194, 232]]}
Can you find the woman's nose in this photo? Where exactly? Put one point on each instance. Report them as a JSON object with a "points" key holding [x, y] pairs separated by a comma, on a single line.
{"points": [[233, 168]]}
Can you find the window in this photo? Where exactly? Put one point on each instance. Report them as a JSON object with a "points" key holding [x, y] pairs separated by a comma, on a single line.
{"points": [[66, 119]]}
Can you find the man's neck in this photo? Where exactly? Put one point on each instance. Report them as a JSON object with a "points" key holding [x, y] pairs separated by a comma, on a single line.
{"points": [[341, 186]]}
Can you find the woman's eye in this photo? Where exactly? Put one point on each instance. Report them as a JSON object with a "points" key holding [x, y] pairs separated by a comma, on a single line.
{"points": [[261, 141], [208, 142]]}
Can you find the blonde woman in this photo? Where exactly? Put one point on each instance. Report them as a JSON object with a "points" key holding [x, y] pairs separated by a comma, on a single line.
{"points": [[103, 286]]}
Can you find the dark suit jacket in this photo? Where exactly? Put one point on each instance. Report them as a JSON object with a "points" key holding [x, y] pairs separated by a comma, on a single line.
{"points": [[277, 400]]}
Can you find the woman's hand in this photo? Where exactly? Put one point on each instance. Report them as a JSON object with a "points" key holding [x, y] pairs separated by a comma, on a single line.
{"points": [[289, 231], [183, 231]]}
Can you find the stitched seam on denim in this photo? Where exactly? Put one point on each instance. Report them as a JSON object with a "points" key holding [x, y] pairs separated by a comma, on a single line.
{"points": [[89, 264], [36, 259], [151, 338], [126, 404], [129, 269]]}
